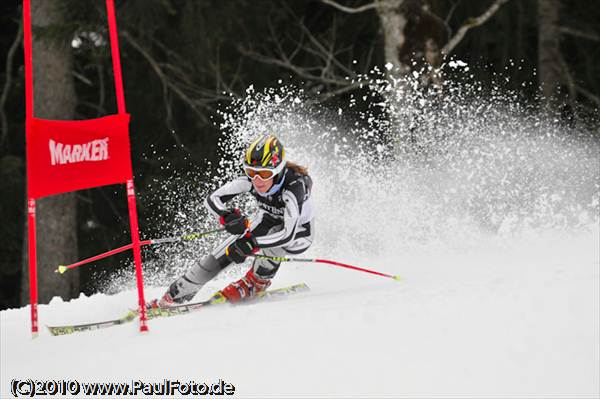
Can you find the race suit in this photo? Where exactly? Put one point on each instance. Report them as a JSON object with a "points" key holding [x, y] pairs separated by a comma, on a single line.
{"points": [[283, 226]]}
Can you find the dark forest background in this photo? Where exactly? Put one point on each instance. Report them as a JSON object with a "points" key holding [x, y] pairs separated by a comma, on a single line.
{"points": [[183, 59]]}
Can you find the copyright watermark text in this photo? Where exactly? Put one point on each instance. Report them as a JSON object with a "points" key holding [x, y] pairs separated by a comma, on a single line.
{"points": [[34, 388]]}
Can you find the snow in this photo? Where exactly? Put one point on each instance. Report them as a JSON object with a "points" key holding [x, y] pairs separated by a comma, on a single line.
{"points": [[507, 320], [492, 225], [457, 64]]}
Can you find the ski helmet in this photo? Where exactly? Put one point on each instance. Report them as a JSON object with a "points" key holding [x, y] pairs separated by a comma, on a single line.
{"points": [[264, 157]]}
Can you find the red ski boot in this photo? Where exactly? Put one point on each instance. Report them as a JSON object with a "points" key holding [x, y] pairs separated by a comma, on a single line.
{"points": [[246, 287], [165, 302]]}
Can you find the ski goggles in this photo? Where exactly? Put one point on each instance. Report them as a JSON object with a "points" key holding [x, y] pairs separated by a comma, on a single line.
{"points": [[262, 173]]}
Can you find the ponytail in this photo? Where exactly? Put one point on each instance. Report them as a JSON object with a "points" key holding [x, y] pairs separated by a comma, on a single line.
{"points": [[303, 170]]}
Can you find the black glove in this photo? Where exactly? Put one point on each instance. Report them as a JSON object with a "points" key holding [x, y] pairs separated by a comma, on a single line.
{"points": [[242, 248], [234, 221]]}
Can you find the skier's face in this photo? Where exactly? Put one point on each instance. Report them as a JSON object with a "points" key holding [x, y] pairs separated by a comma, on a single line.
{"points": [[262, 186]]}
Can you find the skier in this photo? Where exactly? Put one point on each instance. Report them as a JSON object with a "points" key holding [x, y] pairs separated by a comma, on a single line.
{"points": [[283, 225]]}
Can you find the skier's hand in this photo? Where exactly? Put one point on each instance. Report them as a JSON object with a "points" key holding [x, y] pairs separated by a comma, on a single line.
{"points": [[242, 248], [234, 221]]}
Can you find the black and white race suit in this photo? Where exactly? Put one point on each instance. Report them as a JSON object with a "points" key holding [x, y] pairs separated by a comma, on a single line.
{"points": [[283, 226]]}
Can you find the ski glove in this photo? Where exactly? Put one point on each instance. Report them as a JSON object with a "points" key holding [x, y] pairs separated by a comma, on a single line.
{"points": [[242, 248], [234, 221]]}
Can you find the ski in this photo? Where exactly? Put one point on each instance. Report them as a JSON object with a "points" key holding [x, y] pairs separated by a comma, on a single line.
{"points": [[64, 330], [153, 313]]}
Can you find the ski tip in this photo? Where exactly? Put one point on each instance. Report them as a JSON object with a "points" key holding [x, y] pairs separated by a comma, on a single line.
{"points": [[61, 269], [60, 330], [397, 277]]}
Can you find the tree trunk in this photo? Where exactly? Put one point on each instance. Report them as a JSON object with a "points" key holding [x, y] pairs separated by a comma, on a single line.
{"points": [[54, 98], [393, 21], [413, 37], [549, 55]]}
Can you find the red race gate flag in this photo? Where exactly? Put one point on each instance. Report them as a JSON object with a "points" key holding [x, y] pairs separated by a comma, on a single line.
{"points": [[65, 156]]}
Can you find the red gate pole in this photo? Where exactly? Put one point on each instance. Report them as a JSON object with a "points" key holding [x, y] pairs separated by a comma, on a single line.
{"points": [[131, 199], [33, 293]]}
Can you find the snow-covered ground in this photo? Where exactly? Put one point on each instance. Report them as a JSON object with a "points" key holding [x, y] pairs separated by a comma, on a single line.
{"points": [[487, 210], [509, 319]]}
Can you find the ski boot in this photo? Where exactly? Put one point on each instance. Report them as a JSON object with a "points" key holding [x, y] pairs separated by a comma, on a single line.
{"points": [[245, 288], [180, 291]]}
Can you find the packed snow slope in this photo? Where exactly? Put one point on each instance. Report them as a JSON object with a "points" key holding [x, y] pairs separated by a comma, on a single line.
{"points": [[488, 212], [505, 320]]}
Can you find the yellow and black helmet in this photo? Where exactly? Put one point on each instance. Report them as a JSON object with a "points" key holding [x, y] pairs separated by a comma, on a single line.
{"points": [[266, 152]]}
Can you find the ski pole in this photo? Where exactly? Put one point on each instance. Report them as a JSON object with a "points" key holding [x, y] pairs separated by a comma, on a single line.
{"points": [[330, 262], [188, 237]]}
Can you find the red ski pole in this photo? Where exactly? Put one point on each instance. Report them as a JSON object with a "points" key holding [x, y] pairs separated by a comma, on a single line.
{"points": [[188, 237], [330, 262]]}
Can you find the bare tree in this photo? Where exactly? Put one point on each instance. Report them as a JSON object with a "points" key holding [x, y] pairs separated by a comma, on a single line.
{"points": [[558, 86], [393, 22], [472, 23], [54, 98], [413, 36], [579, 33], [324, 60], [550, 66], [7, 85]]}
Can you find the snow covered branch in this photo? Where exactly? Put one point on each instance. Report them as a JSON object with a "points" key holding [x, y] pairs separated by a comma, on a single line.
{"points": [[472, 23]]}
